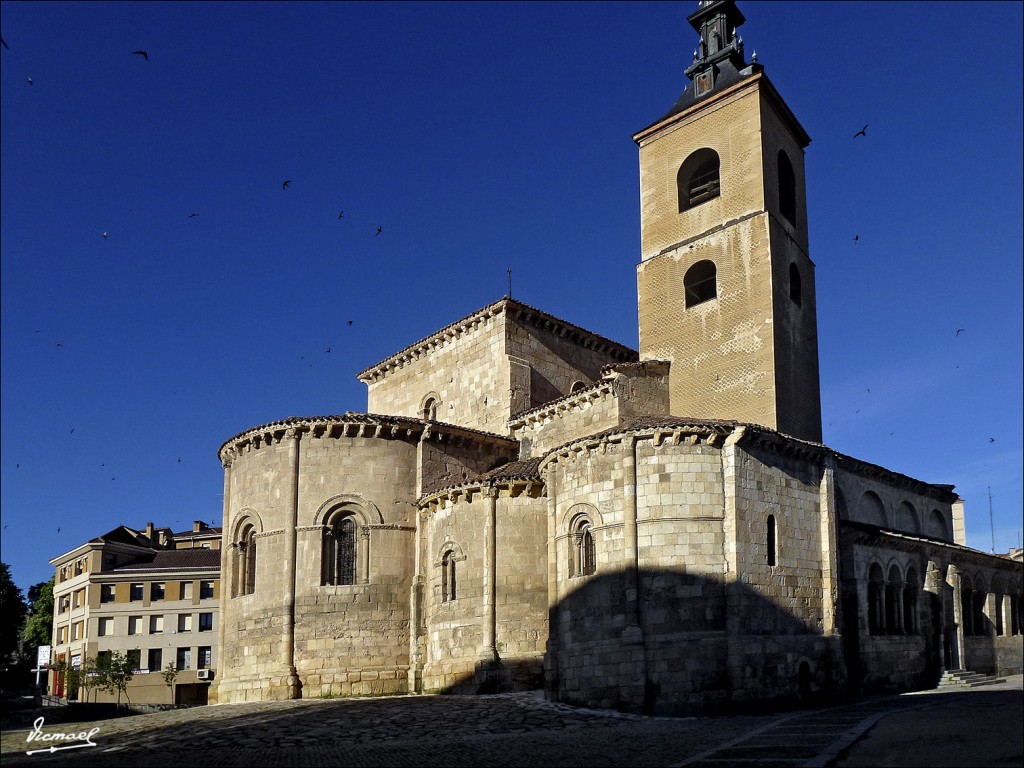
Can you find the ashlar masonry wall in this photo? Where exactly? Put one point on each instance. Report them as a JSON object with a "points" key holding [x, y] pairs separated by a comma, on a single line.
{"points": [[490, 634], [783, 574], [463, 368]]}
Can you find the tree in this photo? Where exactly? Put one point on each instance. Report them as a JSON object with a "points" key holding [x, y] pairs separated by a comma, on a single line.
{"points": [[170, 674], [114, 674], [12, 616], [39, 625]]}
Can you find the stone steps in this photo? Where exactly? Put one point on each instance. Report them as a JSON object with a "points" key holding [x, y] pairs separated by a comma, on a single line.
{"points": [[963, 678]]}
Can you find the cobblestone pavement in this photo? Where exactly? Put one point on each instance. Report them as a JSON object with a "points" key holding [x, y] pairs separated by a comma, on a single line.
{"points": [[519, 729]]}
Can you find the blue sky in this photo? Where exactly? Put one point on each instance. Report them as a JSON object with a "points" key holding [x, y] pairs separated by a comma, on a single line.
{"points": [[479, 137]]}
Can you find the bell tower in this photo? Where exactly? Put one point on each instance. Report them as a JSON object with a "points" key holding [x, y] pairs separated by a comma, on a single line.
{"points": [[725, 282]]}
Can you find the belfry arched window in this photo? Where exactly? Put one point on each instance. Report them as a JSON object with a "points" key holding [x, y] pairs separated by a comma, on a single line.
{"points": [[582, 553], [245, 561], [787, 188], [698, 179], [340, 551], [795, 288], [700, 283]]}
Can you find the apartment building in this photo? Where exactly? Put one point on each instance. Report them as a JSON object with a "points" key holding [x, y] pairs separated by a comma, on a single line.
{"points": [[152, 595]]}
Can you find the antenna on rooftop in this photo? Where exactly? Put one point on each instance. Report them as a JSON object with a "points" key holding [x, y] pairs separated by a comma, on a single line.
{"points": [[509, 273]]}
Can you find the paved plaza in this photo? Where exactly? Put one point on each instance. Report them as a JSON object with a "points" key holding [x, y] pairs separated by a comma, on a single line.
{"points": [[975, 727]]}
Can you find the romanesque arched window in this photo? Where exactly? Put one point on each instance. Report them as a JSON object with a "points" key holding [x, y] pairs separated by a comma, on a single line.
{"points": [[700, 283], [582, 553], [787, 188], [910, 595], [893, 592], [771, 544], [340, 551], [428, 409], [978, 618], [966, 605], [245, 561], [998, 604], [448, 563], [876, 600], [795, 287], [449, 582]]}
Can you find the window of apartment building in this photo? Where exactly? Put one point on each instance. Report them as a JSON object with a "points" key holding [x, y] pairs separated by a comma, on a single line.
{"points": [[62, 635], [103, 659], [78, 568], [205, 657], [156, 624], [185, 590], [78, 630], [155, 660], [64, 604], [134, 659], [134, 625], [136, 592], [78, 598], [107, 593], [184, 660], [157, 591], [106, 627], [205, 622], [205, 590], [184, 622]]}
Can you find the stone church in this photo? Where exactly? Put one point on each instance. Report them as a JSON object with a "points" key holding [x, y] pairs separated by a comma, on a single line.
{"points": [[526, 504]]}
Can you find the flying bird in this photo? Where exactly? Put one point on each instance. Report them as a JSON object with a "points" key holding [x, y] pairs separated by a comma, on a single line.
{"points": [[856, 239], [192, 215], [143, 54], [959, 330], [350, 322], [72, 430], [341, 215], [991, 439], [379, 230], [861, 132], [327, 350], [59, 344], [179, 459], [286, 183], [30, 81], [106, 236]]}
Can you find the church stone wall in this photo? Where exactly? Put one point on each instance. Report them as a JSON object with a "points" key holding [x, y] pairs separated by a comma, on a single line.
{"points": [[872, 498], [722, 350], [454, 636], [731, 127], [629, 391], [354, 639], [556, 361], [454, 629], [466, 370], [448, 461]]}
